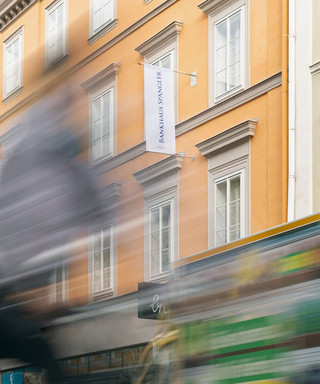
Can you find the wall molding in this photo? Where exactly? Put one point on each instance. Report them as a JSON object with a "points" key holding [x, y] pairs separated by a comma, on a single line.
{"points": [[123, 157], [229, 104]]}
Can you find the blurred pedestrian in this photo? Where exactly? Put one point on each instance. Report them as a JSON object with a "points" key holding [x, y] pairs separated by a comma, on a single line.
{"points": [[45, 194]]}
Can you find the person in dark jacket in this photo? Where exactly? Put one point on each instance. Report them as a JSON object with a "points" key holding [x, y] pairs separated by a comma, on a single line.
{"points": [[45, 194]]}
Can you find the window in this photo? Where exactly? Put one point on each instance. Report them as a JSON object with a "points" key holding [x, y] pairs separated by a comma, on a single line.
{"points": [[161, 238], [160, 182], [102, 110], [56, 32], [165, 61], [101, 125], [228, 54], [102, 261], [228, 47], [58, 291], [13, 48], [102, 14], [228, 199], [228, 155], [161, 50]]}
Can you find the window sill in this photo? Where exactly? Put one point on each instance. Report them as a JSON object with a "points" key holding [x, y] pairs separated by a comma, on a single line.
{"points": [[229, 94], [99, 296], [101, 160], [55, 64], [12, 95], [161, 278], [112, 24]]}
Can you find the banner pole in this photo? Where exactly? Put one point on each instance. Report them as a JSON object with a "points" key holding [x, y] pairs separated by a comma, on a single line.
{"points": [[173, 70]]}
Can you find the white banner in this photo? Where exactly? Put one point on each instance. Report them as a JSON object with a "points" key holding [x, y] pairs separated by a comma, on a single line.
{"points": [[159, 113]]}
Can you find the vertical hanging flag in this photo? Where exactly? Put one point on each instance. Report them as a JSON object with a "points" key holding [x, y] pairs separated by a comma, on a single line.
{"points": [[159, 109]]}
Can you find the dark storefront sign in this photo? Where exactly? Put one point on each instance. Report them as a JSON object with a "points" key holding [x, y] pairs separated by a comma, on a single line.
{"points": [[151, 303]]}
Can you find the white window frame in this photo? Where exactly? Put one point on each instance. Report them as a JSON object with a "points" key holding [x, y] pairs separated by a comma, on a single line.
{"points": [[227, 178], [49, 61], [228, 153], [107, 25], [171, 242], [17, 36], [63, 283], [93, 97], [109, 291], [217, 16], [160, 182], [99, 84]]}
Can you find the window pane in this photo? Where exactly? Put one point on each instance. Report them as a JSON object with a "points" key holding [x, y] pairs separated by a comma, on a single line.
{"points": [[106, 279], [97, 281], [155, 264], [221, 34], [234, 73], [165, 261], [234, 51], [235, 26], [221, 237], [165, 239], [165, 62], [221, 193], [221, 59], [235, 188], [107, 11], [235, 233], [155, 219], [106, 124], [221, 82], [221, 217], [97, 241], [97, 19], [97, 261], [155, 242], [106, 238], [166, 215]]}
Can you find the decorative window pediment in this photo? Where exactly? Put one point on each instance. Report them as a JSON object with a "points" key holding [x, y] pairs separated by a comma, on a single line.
{"points": [[228, 138], [160, 40], [159, 170], [100, 79], [211, 7]]}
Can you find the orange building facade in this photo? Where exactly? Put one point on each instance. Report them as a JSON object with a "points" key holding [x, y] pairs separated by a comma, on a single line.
{"points": [[228, 179]]}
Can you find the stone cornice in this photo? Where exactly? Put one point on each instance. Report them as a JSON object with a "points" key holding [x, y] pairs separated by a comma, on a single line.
{"points": [[106, 75], [227, 138], [166, 36], [158, 170], [10, 10], [215, 6]]}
